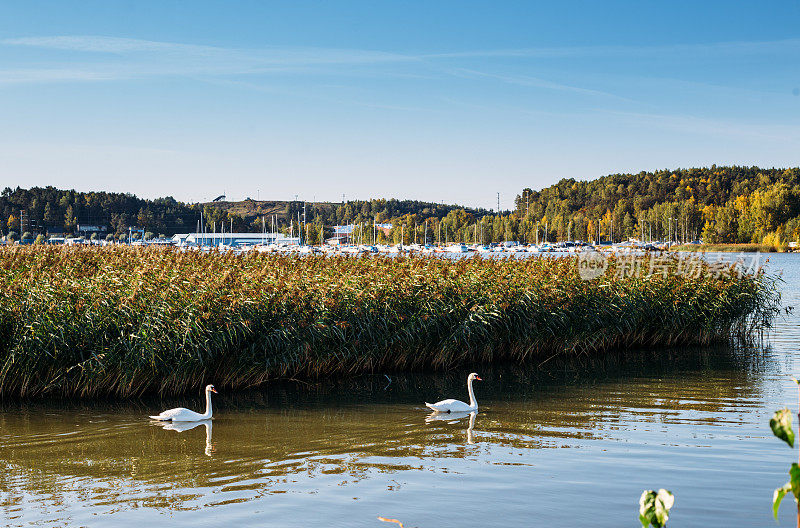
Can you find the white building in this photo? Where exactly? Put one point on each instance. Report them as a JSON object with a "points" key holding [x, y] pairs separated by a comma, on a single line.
{"points": [[234, 239]]}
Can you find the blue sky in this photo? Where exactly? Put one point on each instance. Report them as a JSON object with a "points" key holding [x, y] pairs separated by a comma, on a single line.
{"points": [[439, 101]]}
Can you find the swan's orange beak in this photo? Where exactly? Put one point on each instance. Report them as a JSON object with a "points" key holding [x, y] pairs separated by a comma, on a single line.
{"points": [[214, 390], [478, 378]]}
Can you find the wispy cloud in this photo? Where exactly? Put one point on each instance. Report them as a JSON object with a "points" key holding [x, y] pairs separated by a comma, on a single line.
{"points": [[101, 58], [533, 82], [702, 126], [733, 48], [274, 56], [107, 58], [101, 44]]}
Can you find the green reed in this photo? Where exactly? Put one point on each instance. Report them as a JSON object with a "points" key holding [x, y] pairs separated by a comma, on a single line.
{"points": [[126, 321]]}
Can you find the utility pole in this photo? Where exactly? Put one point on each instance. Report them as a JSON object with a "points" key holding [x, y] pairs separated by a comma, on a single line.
{"points": [[498, 203]]}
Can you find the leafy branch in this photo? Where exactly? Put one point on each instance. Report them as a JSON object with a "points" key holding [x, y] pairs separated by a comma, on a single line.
{"points": [[654, 507], [781, 425]]}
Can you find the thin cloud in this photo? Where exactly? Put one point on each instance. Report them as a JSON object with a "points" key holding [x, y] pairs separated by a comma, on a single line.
{"points": [[687, 124], [534, 82], [294, 56], [112, 58], [101, 44], [734, 48], [100, 58]]}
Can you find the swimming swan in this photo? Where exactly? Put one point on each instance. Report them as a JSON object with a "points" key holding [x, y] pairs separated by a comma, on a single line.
{"points": [[448, 406], [179, 414]]}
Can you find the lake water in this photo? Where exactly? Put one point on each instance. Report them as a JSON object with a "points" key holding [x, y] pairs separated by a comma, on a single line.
{"points": [[571, 444]]}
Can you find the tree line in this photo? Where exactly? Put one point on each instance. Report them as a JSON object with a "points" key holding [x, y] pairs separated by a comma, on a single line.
{"points": [[716, 204], [46, 210]]}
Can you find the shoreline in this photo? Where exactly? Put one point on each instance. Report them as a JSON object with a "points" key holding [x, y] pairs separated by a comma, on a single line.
{"points": [[730, 248]]}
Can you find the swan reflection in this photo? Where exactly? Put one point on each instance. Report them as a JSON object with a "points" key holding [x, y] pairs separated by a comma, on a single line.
{"points": [[185, 426], [454, 417]]}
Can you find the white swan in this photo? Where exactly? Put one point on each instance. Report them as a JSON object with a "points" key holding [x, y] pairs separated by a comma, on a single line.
{"points": [[179, 414], [449, 406]]}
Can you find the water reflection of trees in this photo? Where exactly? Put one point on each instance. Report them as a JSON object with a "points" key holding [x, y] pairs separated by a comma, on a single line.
{"points": [[289, 436]]}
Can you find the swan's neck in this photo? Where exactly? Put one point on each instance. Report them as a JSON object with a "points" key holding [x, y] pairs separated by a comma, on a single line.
{"points": [[472, 401], [207, 415]]}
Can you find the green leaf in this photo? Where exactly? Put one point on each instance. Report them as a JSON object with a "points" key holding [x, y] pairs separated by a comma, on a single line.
{"points": [[795, 380], [794, 480], [778, 496], [654, 507], [792, 486], [666, 498], [781, 425]]}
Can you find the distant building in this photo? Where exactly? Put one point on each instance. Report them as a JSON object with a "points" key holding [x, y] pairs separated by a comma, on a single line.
{"points": [[89, 229], [234, 239], [342, 235]]}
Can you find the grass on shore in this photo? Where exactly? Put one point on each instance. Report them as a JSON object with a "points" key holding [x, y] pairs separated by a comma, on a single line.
{"points": [[729, 248], [127, 321]]}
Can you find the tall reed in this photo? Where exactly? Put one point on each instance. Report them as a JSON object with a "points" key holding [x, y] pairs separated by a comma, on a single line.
{"points": [[125, 321]]}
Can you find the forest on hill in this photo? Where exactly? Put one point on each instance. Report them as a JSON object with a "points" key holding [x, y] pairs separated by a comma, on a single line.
{"points": [[715, 204], [47, 210]]}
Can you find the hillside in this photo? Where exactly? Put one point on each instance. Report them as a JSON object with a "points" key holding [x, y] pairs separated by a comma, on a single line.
{"points": [[719, 204], [50, 210]]}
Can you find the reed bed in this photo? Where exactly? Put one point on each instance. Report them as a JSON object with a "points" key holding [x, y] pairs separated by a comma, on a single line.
{"points": [[127, 321]]}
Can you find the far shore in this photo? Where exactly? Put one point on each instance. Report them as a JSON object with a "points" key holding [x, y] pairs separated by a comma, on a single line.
{"points": [[733, 248]]}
